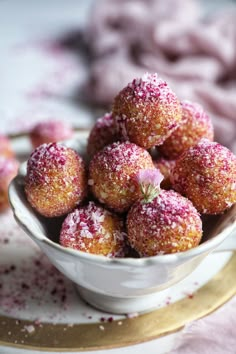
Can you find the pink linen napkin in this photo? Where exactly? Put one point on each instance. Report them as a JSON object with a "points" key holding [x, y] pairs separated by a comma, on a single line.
{"points": [[195, 53], [214, 334]]}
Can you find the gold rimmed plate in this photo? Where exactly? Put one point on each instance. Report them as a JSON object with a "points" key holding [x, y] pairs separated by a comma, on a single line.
{"points": [[121, 332]]}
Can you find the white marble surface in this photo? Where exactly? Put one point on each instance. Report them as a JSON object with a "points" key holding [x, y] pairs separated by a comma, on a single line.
{"points": [[28, 67]]}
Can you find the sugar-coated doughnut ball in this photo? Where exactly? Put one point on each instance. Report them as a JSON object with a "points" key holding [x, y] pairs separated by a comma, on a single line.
{"points": [[103, 133], [8, 170], [113, 171], [5, 147], [56, 179], [206, 174], [96, 230], [147, 111], [50, 131], [165, 166], [196, 125], [168, 224]]}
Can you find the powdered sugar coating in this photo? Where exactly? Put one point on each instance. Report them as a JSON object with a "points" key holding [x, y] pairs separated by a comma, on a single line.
{"points": [[103, 133], [195, 126], [94, 229], [5, 147], [165, 166], [147, 111], [50, 131], [8, 170], [112, 174], [206, 174], [56, 180], [168, 224]]}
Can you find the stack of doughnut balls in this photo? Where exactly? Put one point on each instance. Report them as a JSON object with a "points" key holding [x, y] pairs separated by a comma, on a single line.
{"points": [[152, 170]]}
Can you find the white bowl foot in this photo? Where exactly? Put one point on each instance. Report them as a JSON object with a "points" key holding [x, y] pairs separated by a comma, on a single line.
{"points": [[119, 305]]}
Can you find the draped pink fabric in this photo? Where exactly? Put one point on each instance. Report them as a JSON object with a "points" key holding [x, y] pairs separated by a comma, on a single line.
{"points": [[215, 333], [194, 52]]}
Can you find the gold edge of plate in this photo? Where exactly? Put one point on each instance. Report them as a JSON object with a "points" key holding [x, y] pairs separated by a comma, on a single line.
{"points": [[81, 337]]}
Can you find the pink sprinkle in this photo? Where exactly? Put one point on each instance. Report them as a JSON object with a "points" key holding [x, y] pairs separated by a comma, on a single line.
{"points": [[30, 329], [132, 315], [40, 91]]}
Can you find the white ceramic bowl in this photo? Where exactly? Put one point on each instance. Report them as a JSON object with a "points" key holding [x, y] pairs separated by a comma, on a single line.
{"points": [[114, 285]]}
